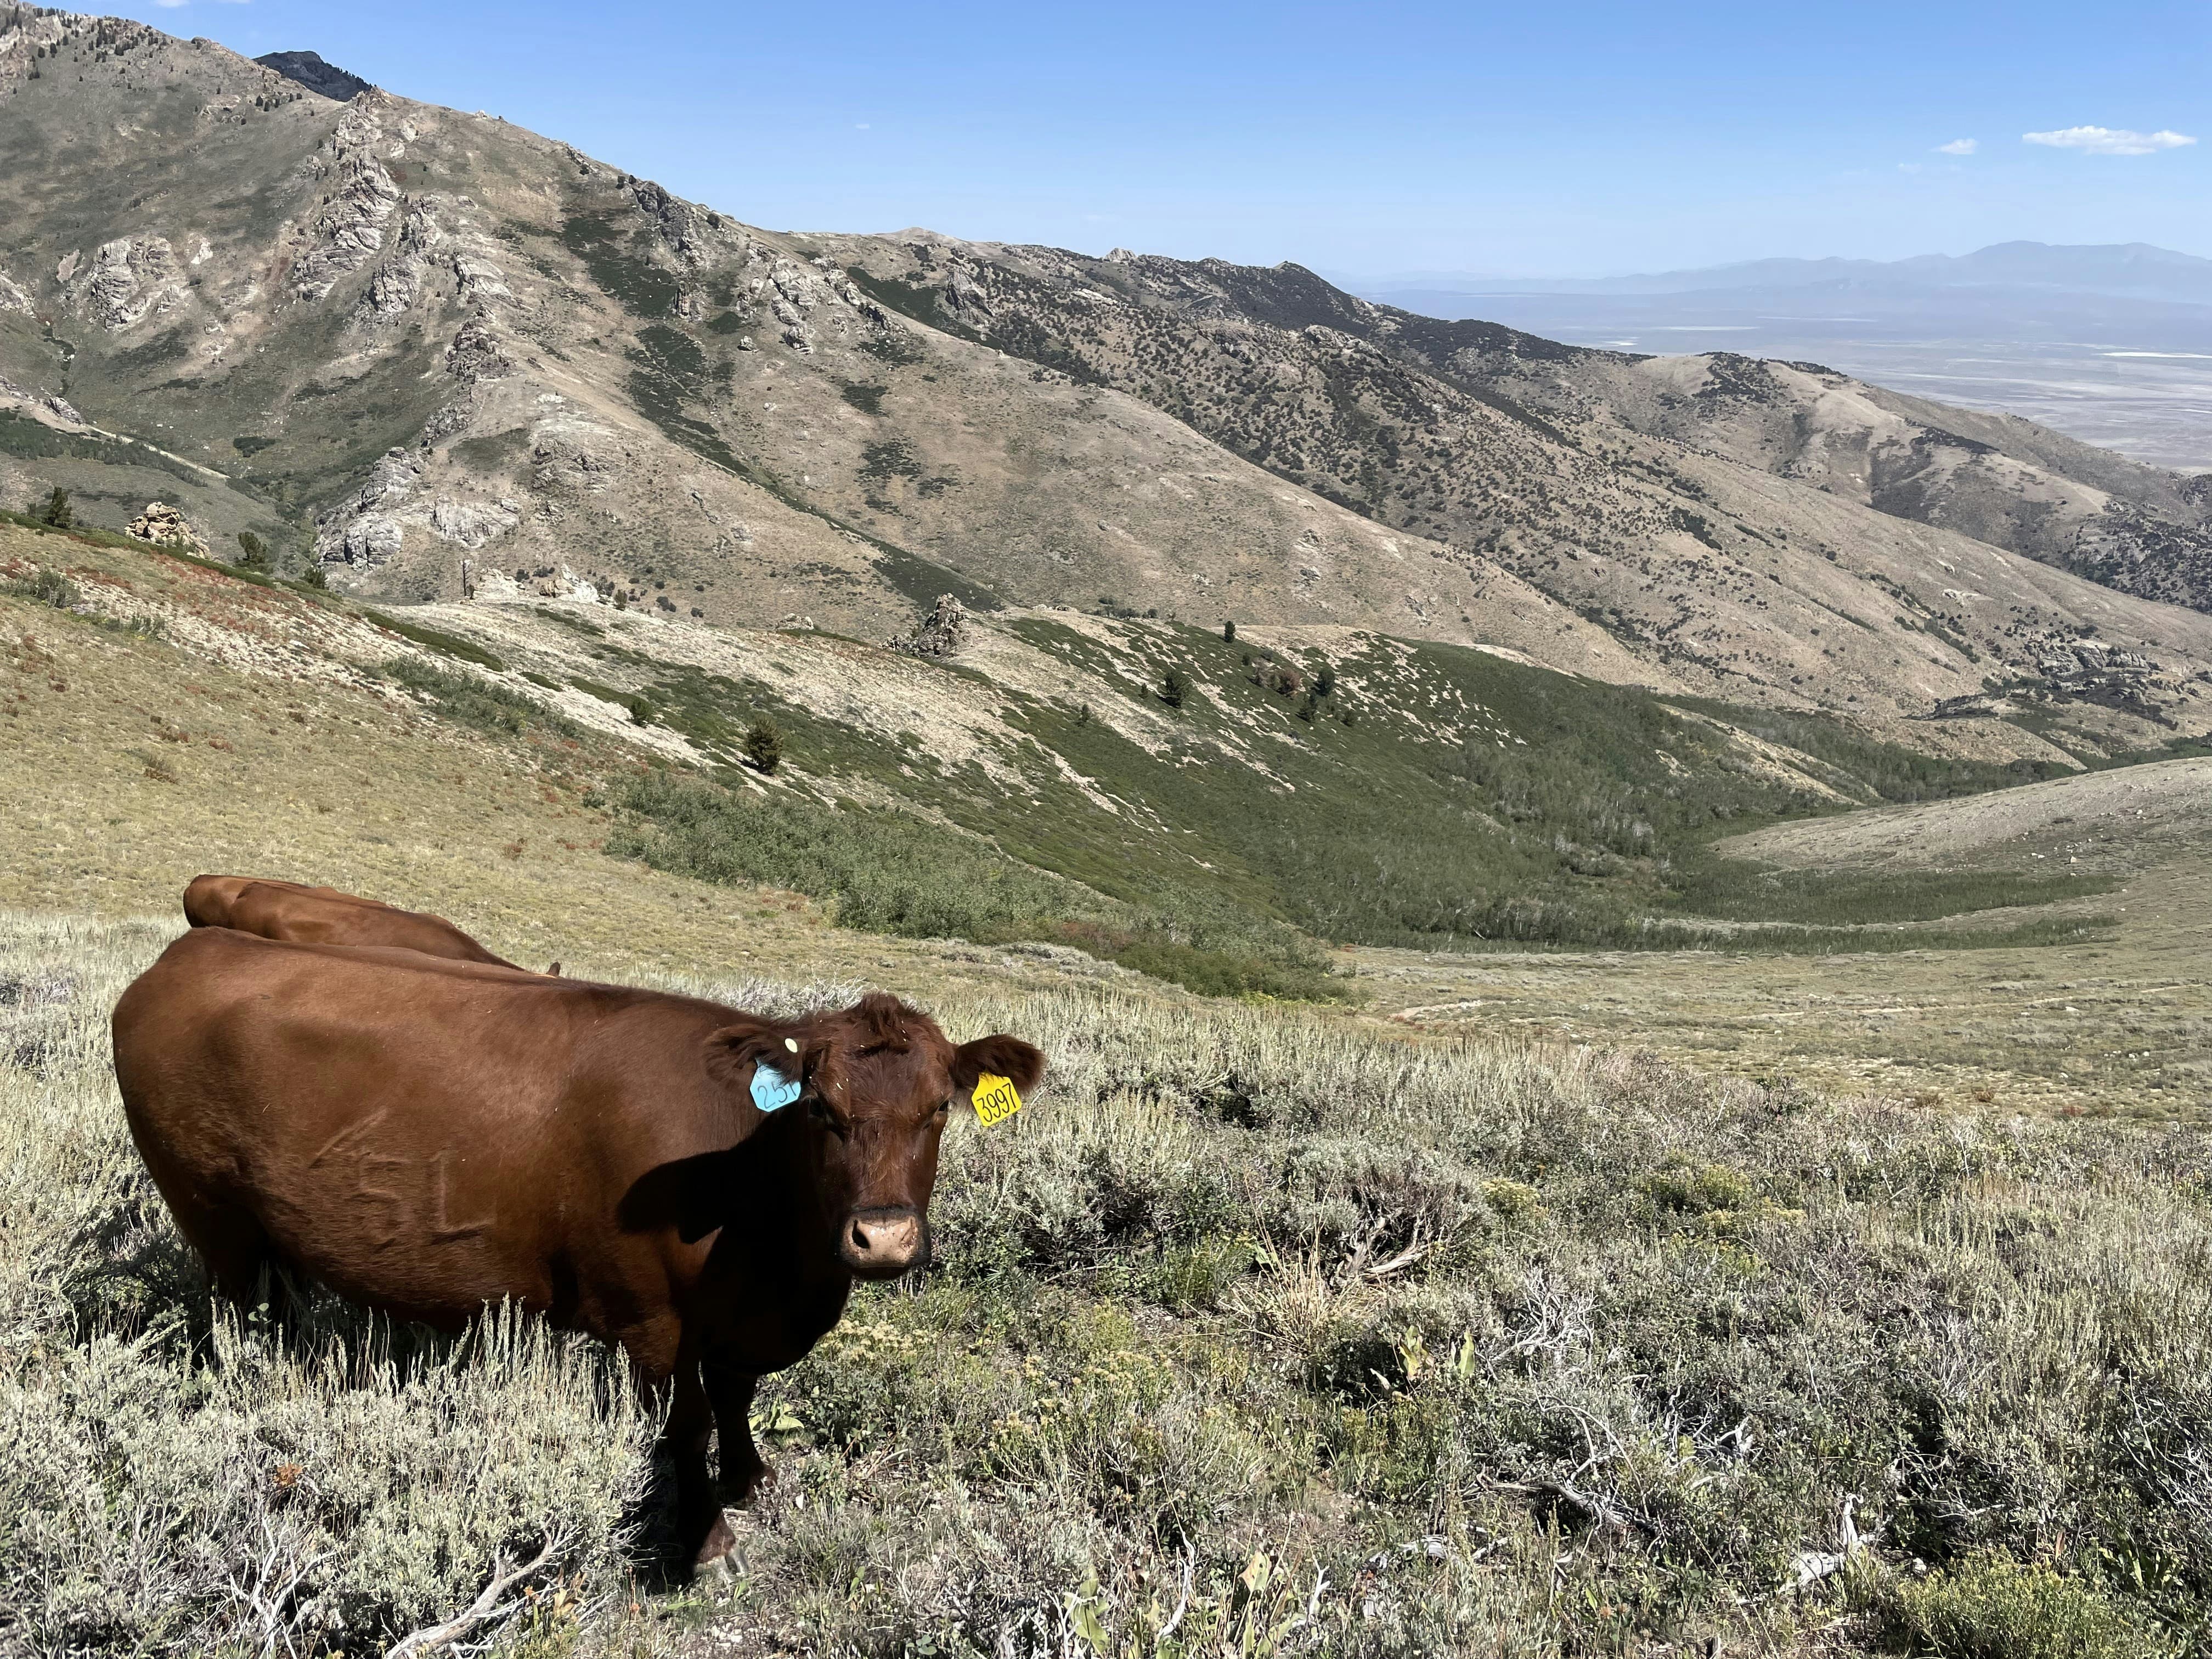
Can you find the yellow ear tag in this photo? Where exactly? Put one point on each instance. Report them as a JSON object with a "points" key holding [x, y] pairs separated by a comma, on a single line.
{"points": [[995, 1099]]}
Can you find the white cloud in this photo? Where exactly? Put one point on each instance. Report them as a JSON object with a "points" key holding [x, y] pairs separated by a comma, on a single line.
{"points": [[2108, 141], [1959, 147]]}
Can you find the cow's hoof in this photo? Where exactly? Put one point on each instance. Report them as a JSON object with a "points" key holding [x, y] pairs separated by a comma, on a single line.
{"points": [[721, 1543]]}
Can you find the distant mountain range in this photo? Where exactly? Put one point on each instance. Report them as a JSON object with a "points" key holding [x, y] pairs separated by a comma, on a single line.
{"points": [[2131, 270], [2111, 344]]}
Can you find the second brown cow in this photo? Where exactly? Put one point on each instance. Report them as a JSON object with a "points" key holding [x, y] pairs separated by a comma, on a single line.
{"points": [[300, 915]]}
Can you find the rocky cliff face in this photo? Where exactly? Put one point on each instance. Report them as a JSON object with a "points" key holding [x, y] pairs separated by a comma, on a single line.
{"points": [[308, 69], [438, 353]]}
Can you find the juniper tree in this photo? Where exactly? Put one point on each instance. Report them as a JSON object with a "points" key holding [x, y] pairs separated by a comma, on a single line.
{"points": [[763, 746]]}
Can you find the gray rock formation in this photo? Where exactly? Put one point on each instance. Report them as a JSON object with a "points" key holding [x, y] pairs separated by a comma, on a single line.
{"points": [[941, 633], [308, 70], [131, 278], [162, 526]]}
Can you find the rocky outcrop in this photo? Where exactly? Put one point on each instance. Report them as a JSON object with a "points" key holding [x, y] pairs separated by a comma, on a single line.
{"points": [[347, 231], [477, 352], [526, 586], [573, 456], [370, 527], [395, 285], [130, 278], [12, 296], [478, 282], [941, 633], [162, 526], [308, 70]]}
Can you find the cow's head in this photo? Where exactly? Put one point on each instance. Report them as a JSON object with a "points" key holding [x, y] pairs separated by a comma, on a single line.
{"points": [[877, 1082]]}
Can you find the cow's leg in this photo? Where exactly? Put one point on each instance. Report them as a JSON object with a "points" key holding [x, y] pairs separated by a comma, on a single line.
{"points": [[731, 1393], [235, 1250], [701, 1533]]}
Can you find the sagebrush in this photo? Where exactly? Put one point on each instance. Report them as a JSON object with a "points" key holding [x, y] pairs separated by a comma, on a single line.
{"points": [[1262, 1329]]}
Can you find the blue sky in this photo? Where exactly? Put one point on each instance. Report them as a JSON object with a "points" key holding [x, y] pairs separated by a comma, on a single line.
{"points": [[1367, 141]]}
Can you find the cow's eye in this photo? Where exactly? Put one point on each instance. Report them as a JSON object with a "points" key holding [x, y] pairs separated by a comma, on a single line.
{"points": [[943, 1108], [819, 1109]]}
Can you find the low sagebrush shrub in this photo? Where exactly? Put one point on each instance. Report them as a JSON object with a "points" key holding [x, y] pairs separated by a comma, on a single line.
{"points": [[47, 587], [1992, 1607]]}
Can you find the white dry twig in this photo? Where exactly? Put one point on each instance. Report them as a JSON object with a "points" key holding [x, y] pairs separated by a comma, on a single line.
{"points": [[1183, 1602], [484, 1609]]}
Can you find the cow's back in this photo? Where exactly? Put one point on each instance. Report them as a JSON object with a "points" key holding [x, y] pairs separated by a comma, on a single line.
{"points": [[293, 913], [425, 1136]]}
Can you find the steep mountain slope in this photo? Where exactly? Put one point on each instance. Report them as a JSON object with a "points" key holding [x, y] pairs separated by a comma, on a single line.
{"points": [[1998, 478], [1664, 517], [457, 357], [2009, 482], [453, 346]]}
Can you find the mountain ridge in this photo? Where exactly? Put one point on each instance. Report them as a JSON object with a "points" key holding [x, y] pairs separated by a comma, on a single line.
{"points": [[439, 352]]}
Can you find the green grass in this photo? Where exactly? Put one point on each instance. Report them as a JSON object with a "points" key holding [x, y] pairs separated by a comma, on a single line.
{"points": [[450, 645], [1437, 798], [1733, 890], [892, 872], [1556, 812], [30, 439]]}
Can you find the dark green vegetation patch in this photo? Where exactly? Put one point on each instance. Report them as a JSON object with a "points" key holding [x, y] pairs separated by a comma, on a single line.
{"points": [[483, 704], [449, 644]]}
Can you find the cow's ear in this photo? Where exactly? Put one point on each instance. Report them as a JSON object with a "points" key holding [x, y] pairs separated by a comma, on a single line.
{"points": [[733, 1051], [1020, 1063]]}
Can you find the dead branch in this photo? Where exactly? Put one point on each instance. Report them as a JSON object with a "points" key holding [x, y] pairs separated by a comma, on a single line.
{"points": [[486, 1607]]}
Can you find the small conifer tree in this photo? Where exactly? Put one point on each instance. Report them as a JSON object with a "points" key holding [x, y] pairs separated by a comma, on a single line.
{"points": [[1175, 686], [253, 551], [763, 746], [1229, 632], [57, 512]]}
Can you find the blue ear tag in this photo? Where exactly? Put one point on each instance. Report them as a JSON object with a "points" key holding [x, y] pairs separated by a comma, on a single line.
{"points": [[772, 1089]]}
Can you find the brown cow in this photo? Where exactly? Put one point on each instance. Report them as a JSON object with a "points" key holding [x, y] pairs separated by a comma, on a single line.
{"points": [[291, 911], [426, 1137]]}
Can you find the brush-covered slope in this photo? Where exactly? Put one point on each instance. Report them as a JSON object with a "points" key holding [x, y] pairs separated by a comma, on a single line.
{"points": [[1144, 789]]}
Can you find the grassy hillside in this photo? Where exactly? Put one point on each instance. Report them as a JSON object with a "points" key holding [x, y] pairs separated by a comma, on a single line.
{"points": [[1207, 809], [1254, 1331]]}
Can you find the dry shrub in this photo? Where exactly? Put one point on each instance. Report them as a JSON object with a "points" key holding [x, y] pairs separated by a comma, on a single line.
{"points": [[1255, 1328]]}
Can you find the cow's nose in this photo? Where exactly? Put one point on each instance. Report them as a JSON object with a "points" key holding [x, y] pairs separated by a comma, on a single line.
{"points": [[885, 1244]]}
